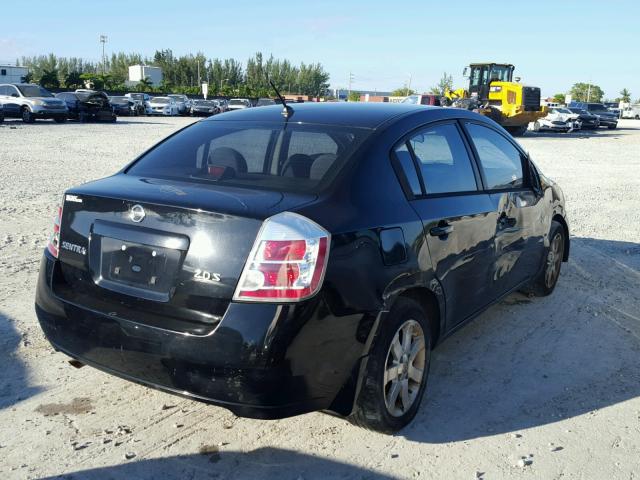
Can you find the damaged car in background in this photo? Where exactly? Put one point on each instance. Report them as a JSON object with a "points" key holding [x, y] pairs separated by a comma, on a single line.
{"points": [[559, 119]]}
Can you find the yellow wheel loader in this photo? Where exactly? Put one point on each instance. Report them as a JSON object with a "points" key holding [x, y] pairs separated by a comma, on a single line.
{"points": [[492, 92]]}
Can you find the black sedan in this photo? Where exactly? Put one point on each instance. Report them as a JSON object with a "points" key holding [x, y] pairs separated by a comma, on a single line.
{"points": [[588, 120], [204, 108], [123, 106], [88, 105], [276, 262]]}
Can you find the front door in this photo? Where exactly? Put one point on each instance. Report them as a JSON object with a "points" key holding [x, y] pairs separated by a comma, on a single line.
{"points": [[458, 218], [519, 227]]}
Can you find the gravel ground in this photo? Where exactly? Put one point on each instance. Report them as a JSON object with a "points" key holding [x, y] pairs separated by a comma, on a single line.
{"points": [[534, 388]]}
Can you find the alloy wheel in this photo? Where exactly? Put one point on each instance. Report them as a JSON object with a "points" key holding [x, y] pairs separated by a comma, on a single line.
{"points": [[554, 259], [404, 367]]}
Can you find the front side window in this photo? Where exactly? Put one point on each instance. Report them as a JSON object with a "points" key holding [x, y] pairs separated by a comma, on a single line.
{"points": [[443, 160], [500, 160], [274, 156]]}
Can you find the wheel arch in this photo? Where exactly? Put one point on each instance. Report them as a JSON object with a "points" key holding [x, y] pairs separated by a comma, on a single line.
{"points": [[565, 227]]}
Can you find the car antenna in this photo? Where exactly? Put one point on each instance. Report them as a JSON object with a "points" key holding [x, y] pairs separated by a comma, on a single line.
{"points": [[287, 111]]}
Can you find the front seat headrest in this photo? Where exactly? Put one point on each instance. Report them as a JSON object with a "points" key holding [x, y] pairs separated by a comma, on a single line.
{"points": [[229, 158]]}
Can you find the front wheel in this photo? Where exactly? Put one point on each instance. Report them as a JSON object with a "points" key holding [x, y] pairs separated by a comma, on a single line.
{"points": [[397, 370], [27, 116]]}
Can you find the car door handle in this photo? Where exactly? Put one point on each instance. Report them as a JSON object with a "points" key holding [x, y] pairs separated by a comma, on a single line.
{"points": [[441, 230]]}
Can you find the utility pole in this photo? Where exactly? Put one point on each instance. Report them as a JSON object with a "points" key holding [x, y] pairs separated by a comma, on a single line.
{"points": [[103, 40], [351, 78], [409, 85], [199, 82], [589, 91]]}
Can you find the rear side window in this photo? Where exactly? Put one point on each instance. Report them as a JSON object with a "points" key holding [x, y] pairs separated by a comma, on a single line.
{"points": [[277, 156], [443, 159], [500, 159]]}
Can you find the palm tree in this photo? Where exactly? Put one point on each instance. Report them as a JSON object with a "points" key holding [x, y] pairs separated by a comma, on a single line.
{"points": [[145, 84], [625, 95]]}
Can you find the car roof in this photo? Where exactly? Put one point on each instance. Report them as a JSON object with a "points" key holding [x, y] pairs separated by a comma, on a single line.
{"points": [[357, 114]]}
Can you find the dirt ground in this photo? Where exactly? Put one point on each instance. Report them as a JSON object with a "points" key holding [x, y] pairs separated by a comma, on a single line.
{"points": [[534, 388]]}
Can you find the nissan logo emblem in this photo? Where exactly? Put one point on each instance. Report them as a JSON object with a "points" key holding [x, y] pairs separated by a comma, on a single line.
{"points": [[136, 213]]}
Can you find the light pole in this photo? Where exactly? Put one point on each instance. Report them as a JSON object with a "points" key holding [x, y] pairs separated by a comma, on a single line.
{"points": [[351, 78], [222, 80], [103, 40]]}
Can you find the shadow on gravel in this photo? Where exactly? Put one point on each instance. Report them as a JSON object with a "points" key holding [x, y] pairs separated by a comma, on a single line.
{"points": [[263, 463], [529, 362], [14, 386]]}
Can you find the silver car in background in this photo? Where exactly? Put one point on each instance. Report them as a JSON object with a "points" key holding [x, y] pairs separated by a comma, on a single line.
{"points": [[183, 102], [163, 106], [31, 102], [239, 104], [143, 102]]}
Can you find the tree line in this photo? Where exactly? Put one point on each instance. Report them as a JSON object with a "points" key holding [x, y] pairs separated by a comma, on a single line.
{"points": [[181, 74]]}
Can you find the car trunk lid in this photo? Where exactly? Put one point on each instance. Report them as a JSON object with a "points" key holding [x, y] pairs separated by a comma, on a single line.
{"points": [[168, 253]]}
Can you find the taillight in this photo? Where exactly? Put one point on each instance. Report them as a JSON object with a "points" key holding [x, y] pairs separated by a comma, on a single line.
{"points": [[54, 241], [287, 262]]}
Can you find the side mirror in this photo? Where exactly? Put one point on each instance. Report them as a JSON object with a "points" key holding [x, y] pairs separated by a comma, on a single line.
{"points": [[15, 95]]}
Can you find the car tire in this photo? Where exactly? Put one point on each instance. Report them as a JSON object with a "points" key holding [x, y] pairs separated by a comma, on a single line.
{"points": [[60, 119], [392, 371], [546, 281], [611, 127], [27, 116], [536, 126]]}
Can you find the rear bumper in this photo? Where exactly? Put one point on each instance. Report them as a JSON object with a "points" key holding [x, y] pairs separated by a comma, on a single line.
{"points": [[261, 361]]}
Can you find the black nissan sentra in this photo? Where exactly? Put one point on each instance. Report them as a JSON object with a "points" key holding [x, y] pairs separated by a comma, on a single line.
{"points": [[276, 264]]}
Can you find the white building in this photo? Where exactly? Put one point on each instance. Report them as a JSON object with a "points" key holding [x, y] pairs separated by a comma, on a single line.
{"points": [[138, 73], [12, 74]]}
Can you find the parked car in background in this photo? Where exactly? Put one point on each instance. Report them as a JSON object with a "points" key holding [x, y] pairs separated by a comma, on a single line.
{"points": [[88, 105], [307, 263], [124, 106], [143, 101], [1, 113], [183, 102], [163, 106], [588, 120], [425, 99], [31, 102], [632, 111], [239, 104], [558, 119], [607, 118], [265, 102], [223, 104], [204, 108]]}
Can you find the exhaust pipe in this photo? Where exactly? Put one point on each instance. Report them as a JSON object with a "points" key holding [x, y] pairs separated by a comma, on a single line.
{"points": [[76, 363]]}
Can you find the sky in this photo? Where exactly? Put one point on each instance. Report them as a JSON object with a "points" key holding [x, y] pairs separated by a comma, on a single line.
{"points": [[553, 44]]}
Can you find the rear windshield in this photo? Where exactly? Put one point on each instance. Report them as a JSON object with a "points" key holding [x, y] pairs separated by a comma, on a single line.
{"points": [[274, 156], [160, 100]]}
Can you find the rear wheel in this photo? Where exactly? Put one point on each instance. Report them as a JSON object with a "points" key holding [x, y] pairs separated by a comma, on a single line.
{"points": [[27, 116], [546, 281], [397, 370]]}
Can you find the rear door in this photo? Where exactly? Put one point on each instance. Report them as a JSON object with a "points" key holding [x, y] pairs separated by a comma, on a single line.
{"points": [[458, 217], [519, 232], [11, 100]]}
